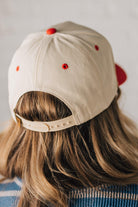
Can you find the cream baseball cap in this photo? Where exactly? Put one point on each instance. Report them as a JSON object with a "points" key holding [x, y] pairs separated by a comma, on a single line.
{"points": [[70, 61]]}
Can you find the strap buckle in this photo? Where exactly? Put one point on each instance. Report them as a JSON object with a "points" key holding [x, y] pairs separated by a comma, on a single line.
{"points": [[19, 121]]}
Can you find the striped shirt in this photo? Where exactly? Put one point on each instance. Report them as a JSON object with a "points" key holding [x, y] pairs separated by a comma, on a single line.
{"points": [[100, 196], [10, 190]]}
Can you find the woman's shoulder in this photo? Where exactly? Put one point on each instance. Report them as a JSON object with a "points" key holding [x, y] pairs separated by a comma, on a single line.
{"points": [[105, 195], [102, 195], [10, 190]]}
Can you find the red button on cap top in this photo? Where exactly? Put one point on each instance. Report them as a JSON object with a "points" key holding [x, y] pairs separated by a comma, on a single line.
{"points": [[51, 31]]}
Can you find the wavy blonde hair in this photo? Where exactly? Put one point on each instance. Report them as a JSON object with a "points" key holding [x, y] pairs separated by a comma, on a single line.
{"points": [[101, 150]]}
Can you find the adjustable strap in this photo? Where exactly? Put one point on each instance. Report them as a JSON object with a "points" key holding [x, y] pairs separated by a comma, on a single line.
{"points": [[49, 126]]}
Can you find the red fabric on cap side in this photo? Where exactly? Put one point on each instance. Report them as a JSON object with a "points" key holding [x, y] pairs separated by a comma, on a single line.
{"points": [[121, 75]]}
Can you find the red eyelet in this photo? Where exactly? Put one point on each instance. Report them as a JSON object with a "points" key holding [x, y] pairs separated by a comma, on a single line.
{"points": [[17, 68], [96, 47], [64, 66]]}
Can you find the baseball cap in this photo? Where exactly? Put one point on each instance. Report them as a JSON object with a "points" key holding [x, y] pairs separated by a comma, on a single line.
{"points": [[70, 61]]}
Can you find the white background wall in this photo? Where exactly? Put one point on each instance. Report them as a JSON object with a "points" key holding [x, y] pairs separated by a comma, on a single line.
{"points": [[117, 20]]}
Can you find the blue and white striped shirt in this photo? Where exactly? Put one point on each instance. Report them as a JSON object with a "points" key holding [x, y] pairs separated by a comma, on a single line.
{"points": [[100, 196], [10, 190]]}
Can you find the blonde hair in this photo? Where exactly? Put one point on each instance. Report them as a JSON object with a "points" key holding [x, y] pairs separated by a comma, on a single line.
{"points": [[101, 150]]}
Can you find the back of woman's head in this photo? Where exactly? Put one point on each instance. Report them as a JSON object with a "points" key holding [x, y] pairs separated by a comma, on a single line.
{"points": [[101, 150]]}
